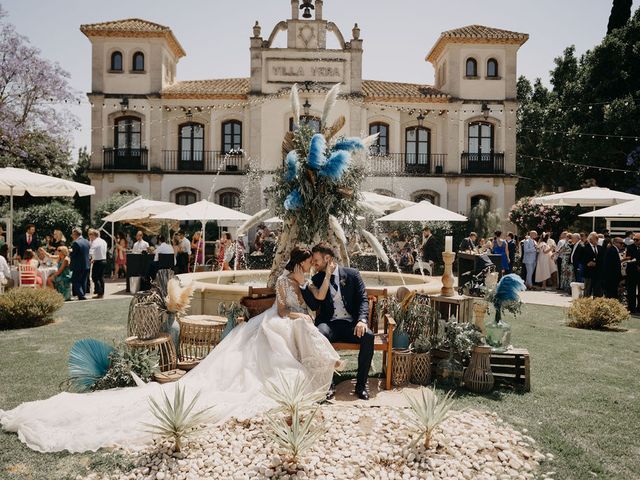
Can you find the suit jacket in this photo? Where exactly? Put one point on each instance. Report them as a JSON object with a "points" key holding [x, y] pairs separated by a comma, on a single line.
{"points": [[429, 253], [511, 245], [633, 251], [612, 268], [22, 244], [466, 244], [588, 255], [576, 254], [79, 255], [352, 290], [529, 252]]}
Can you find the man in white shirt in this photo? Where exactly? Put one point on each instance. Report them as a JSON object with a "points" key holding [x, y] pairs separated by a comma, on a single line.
{"points": [[98, 254], [530, 256], [140, 245], [163, 248]]}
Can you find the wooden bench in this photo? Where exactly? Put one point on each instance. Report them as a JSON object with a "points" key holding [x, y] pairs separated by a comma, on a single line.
{"points": [[260, 299]]}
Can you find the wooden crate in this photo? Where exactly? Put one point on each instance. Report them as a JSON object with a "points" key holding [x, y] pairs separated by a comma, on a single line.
{"points": [[512, 366], [460, 306]]}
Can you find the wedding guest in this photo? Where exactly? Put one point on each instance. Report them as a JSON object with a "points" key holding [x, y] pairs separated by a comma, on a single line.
{"points": [[197, 245], [29, 258], [60, 280], [80, 265], [258, 243], [120, 255], [429, 249], [27, 241], [182, 255], [512, 246], [632, 257], [140, 245], [44, 259], [575, 258], [566, 276], [592, 259], [562, 240], [612, 268], [2, 240], [229, 251], [530, 256], [545, 265], [57, 240], [468, 243], [499, 247], [98, 254], [628, 238], [163, 248], [5, 271]]}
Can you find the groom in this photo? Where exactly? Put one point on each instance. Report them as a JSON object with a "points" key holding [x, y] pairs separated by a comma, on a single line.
{"points": [[342, 315]]}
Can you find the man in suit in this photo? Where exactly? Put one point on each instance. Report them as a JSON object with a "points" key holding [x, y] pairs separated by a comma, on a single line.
{"points": [[575, 257], [468, 243], [80, 264], [633, 273], [429, 250], [342, 316], [612, 268], [592, 258], [530, 256], [27, 241], [511, 247]]}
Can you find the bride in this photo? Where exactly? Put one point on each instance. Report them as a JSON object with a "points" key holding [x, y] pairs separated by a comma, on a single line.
{"points": [[232, 378]]}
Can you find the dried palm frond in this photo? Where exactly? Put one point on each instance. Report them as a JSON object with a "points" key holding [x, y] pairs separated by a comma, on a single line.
{"points": [[176, 420], [329, 103], [287, 143], [337, 229], [428, 412], [331, 132], [178, 297], [88, 363], [295, 105], [378, 249], [254, 220]]}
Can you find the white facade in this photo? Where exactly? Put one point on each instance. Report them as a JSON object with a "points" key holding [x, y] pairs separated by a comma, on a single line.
{"points": [[165, 139]]}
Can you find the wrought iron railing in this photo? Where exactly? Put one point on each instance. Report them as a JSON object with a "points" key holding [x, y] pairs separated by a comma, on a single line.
{"points": [[125, 159], [482, 162], [406, 163], [203, 161]]}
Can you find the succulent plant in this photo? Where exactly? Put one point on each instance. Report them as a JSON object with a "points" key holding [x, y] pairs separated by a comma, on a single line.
{"points": [[428, 411]]}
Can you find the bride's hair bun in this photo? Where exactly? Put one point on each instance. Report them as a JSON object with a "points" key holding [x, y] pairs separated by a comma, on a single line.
{"points": [[298, 255]]}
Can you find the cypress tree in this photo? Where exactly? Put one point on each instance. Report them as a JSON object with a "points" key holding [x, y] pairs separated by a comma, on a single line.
{"points": [[620, 14]]}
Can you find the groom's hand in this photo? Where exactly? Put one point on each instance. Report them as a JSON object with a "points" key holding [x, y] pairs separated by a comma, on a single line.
{"points": [[361, 329]]}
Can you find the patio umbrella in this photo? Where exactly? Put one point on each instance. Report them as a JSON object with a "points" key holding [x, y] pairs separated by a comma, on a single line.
{"points": [[424, 211], [204, 211], [381, 203], [586, 197], [629, 209], [139, 209], [18, 181]]}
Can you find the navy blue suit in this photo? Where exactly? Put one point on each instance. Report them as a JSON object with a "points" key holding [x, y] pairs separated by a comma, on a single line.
{"points": [[354, 298], [612, 269], [80, 266]]}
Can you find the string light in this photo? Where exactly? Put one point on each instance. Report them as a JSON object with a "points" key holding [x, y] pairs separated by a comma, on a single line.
{"points": [[579, 165]]}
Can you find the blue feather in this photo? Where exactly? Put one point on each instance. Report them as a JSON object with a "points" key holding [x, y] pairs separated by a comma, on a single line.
{"points": [[349, 144], [292, 165], [336, 165], [507, 289], [316, 151], [88, 362], [293, 201]]}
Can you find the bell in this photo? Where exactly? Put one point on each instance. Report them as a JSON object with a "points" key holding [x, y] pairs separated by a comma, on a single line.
{"points": [[307, 6]]}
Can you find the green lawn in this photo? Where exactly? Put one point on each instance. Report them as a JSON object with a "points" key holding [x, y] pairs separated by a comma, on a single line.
{"points": [[583, 406]]}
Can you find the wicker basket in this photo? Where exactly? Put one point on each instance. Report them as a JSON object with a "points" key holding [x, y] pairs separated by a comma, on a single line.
{"points": [[148, 296], [421, 368], [478, 376], [162, 345], [199, 334], [401, 370], [145, 321]]}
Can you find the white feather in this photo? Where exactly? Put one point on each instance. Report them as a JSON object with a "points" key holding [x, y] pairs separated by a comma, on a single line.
{"points": [[329, 102], [295, 105], [337, 229], [254, 220], [370, 140], [376, 245]]}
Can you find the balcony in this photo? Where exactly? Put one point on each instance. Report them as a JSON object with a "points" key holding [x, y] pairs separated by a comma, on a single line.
{"points": [[482, 163], [414, 164], [135, 159], [176, 161]]}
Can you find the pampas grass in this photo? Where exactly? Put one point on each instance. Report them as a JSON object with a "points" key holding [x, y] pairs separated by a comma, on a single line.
{"points": [[349, 144], [254, 220], [337, 164], [292, 165], [295, 105], [329, 102], [178, 298], [317, 148], [370, 140], [376, 245], [337, 229], [293, 201]]}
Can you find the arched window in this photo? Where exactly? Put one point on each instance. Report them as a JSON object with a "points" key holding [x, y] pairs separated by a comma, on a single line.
{"points": [[492, 68], [480, 137], [307, 120], [417, 148], [185, 198], [476, 199], [428, 195], [471, 69], [138, 62], [191, 146], [127, 133], [381, 147], [116, 62], [231, 136], [229, 199]]}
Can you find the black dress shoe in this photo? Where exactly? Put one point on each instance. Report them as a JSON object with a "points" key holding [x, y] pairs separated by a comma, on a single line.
{"points": [[332, 391], [362, 393]]}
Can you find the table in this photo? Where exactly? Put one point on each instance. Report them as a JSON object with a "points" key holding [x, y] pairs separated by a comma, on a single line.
{"points": [[162, 344], [199, 334], [473, 263], [43, 272], [137, 265]]}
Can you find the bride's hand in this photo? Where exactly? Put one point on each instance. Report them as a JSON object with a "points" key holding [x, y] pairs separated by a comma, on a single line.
{"points": [[298, 274], [331, 267]]}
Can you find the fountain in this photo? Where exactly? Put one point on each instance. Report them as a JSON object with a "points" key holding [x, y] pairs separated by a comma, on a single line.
{"points": [[315, 194]]}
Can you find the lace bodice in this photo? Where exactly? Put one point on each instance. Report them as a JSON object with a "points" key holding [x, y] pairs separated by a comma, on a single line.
{"points": [[288, 295]]}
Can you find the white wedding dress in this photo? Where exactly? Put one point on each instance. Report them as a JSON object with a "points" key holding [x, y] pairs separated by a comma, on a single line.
{"points": [[231, 378]]}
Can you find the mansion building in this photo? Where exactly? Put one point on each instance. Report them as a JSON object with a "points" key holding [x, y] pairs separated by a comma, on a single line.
{"points": [[452, 143]]}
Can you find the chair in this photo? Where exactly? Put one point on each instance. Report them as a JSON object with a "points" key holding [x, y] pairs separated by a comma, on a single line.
{"points": [[166, 260], [27, 276]]}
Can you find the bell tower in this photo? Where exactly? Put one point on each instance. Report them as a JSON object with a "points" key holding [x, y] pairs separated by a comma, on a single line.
{"points": [[306, 28]]}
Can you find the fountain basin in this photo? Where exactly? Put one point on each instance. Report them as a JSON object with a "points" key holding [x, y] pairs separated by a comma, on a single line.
{"points": [[213, 288]]}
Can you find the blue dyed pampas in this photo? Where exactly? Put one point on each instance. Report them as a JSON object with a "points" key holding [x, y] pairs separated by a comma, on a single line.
{"points": [[293, 201], [317, 148], [292, 165], [507, 289], [336, 165], [349, 144]]}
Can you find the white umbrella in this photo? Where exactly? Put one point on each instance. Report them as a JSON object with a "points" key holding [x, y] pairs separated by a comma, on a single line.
{"points": [[586, 197], [204, 211], [424, 211], [629, 209], [139, 209], [18, 181], [381, 203]]}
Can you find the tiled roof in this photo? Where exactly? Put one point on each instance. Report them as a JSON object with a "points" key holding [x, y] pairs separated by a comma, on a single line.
{"points": [[376, 89], [133, 27], [476, 34], [212, 89]]}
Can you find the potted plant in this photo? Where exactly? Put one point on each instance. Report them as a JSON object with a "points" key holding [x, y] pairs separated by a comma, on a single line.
{"points": [[459, 340], [421, 362], [504, 297]]}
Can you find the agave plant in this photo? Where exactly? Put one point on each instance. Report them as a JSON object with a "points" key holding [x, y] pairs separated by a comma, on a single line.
{"points": [[428, 411], [88, 363], [176, 420], [294, 394]]}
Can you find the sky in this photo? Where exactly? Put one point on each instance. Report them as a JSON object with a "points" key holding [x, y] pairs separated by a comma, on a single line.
{"points": [[397, 34]]}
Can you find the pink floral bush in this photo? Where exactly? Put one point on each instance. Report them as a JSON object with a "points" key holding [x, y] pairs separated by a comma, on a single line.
{"points": [[530, 216]]}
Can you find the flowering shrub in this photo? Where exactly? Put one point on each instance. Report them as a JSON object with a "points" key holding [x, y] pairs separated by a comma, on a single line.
{"points": [[527, 216]]}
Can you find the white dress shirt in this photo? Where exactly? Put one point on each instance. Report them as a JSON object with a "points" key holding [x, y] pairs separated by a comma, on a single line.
{"points": [[98, 249], [185, 245], [140, 246], [339, 312], [164, 247], [5, 271]]}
